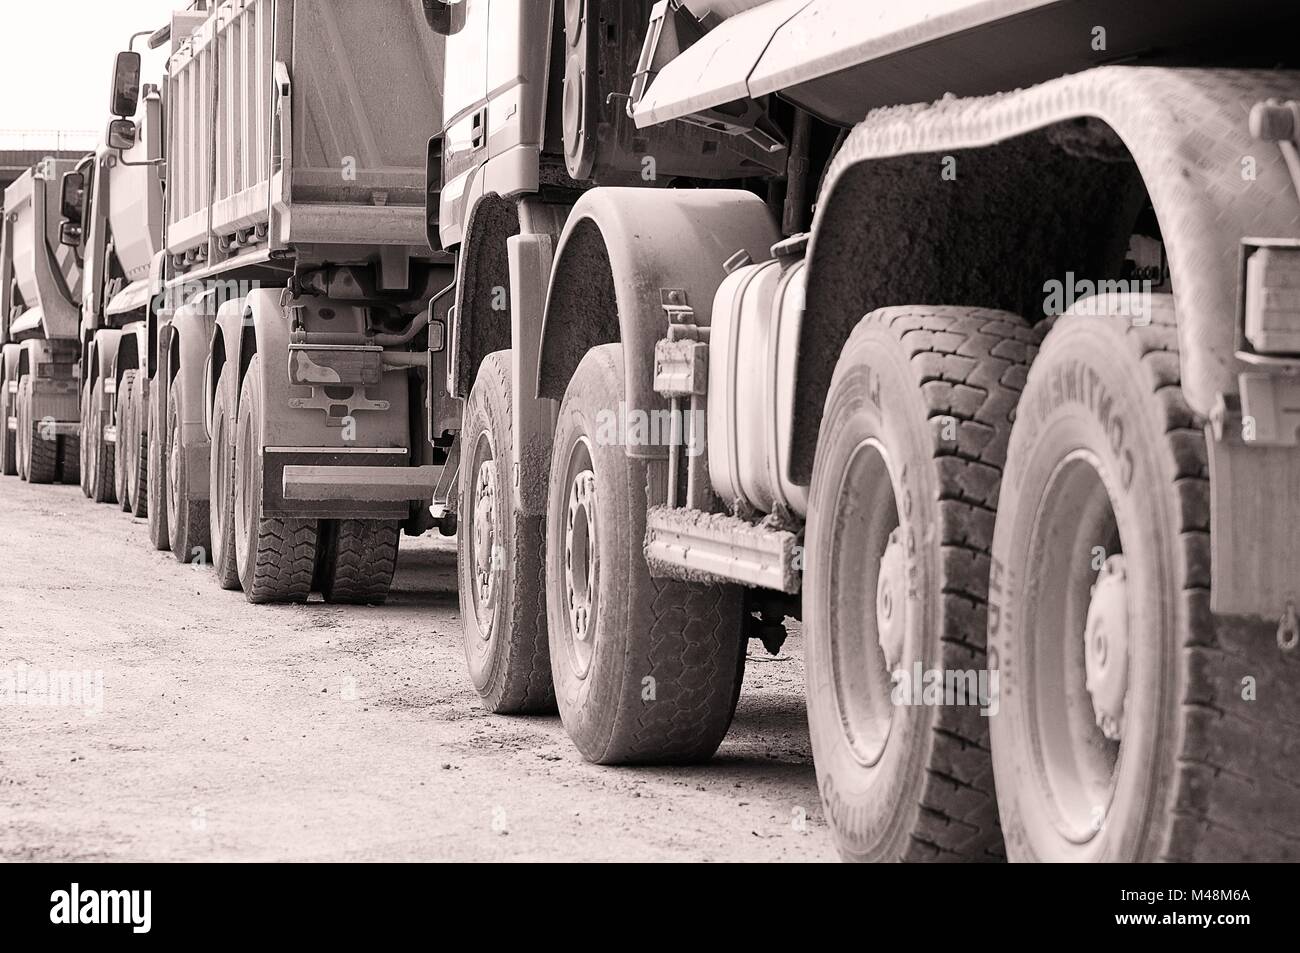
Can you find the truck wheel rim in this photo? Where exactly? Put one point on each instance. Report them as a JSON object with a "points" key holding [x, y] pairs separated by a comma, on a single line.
{"points": [[1077, 609], [484, 542], [581, 558], [864, 569]]}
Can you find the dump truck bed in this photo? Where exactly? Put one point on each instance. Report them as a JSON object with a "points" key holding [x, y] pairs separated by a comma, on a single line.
{"points": [[841, 58], [45, 273], [303, 120]]}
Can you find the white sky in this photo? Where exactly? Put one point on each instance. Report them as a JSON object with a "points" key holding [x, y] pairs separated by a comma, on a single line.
{"points": [[56, 59]]}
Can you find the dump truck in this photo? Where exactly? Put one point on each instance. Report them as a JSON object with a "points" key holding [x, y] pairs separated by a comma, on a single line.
{"points": [[39, 289], [112, 203], [290, 438], [965, 333]]}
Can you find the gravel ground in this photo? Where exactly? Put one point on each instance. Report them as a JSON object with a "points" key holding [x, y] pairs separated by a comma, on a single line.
{"points": [[211, 729]]}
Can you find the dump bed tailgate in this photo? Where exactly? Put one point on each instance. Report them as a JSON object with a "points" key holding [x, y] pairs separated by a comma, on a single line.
{"points": [[306, 118]]}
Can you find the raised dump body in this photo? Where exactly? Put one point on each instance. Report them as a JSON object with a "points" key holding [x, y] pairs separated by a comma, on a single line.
{"points": [[39, 284], [36, 296], [302, 121]]}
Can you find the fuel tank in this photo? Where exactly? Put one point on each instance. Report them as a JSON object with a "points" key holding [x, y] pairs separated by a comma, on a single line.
{"points": [[752, 353]]}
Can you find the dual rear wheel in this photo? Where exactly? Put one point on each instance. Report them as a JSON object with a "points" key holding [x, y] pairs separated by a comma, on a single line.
{"points": [[275, 559], [1044, 527]]}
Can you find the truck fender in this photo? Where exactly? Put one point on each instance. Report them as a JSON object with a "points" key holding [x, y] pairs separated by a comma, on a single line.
{"points": [[105, 346], [1062, 163], [130, 345], [287, 425], [9, 357], [624, 255], [183, 346]]}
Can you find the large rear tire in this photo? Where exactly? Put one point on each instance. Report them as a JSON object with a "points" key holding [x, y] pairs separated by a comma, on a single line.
{"points": [[1125, 733], [100, 456], [222, 482], [83, 443], [357, 559], [276, 557], [502, 559], [904, 488], [646, 670], [8, 438], [156, 468], [21, 435], [139, 468], [123, 480], [38, 450], [187, 518]]}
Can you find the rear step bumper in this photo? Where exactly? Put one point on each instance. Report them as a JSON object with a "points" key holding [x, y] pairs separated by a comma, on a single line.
{"points": [[343, 483]]}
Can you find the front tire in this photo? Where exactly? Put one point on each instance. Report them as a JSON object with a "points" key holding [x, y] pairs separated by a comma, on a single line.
{"points": [[646, 670], [502, 556], [276, 557], [905, 484]]}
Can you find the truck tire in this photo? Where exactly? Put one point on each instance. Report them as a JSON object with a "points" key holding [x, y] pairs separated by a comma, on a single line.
{"points": [[39, 453], [157, 471], [357, 559], [140, 446], [1123, 733], [904, 488], [222, 483], [276, 557], [100, 456], [122, 472], [83, 443], [501, 558], [8, 438], [646, 670], [69, 460], [187, 518], [21, 435]]}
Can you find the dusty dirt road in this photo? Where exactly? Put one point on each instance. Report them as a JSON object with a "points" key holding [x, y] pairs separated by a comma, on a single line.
{"points": [[227, 731]]}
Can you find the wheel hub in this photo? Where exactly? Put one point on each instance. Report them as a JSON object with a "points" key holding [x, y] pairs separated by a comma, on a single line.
{"points": [[485, 506], [1106, 647], [891, 595], [581, 563]]}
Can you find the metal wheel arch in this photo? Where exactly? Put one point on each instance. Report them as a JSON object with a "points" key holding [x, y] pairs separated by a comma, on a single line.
{"points": [[884, 192], [621, 251]]}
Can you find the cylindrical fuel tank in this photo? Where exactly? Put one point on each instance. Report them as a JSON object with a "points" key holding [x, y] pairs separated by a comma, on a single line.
{"points": [[752, 353]]}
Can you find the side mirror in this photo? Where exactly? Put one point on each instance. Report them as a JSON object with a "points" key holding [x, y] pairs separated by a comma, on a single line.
{"points": [[445, 17], [121, 135], [70, 234], [126, 85], [72, 196]]}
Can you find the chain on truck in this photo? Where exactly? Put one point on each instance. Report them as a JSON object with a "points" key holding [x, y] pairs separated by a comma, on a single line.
{"points": [[730, 215]]}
